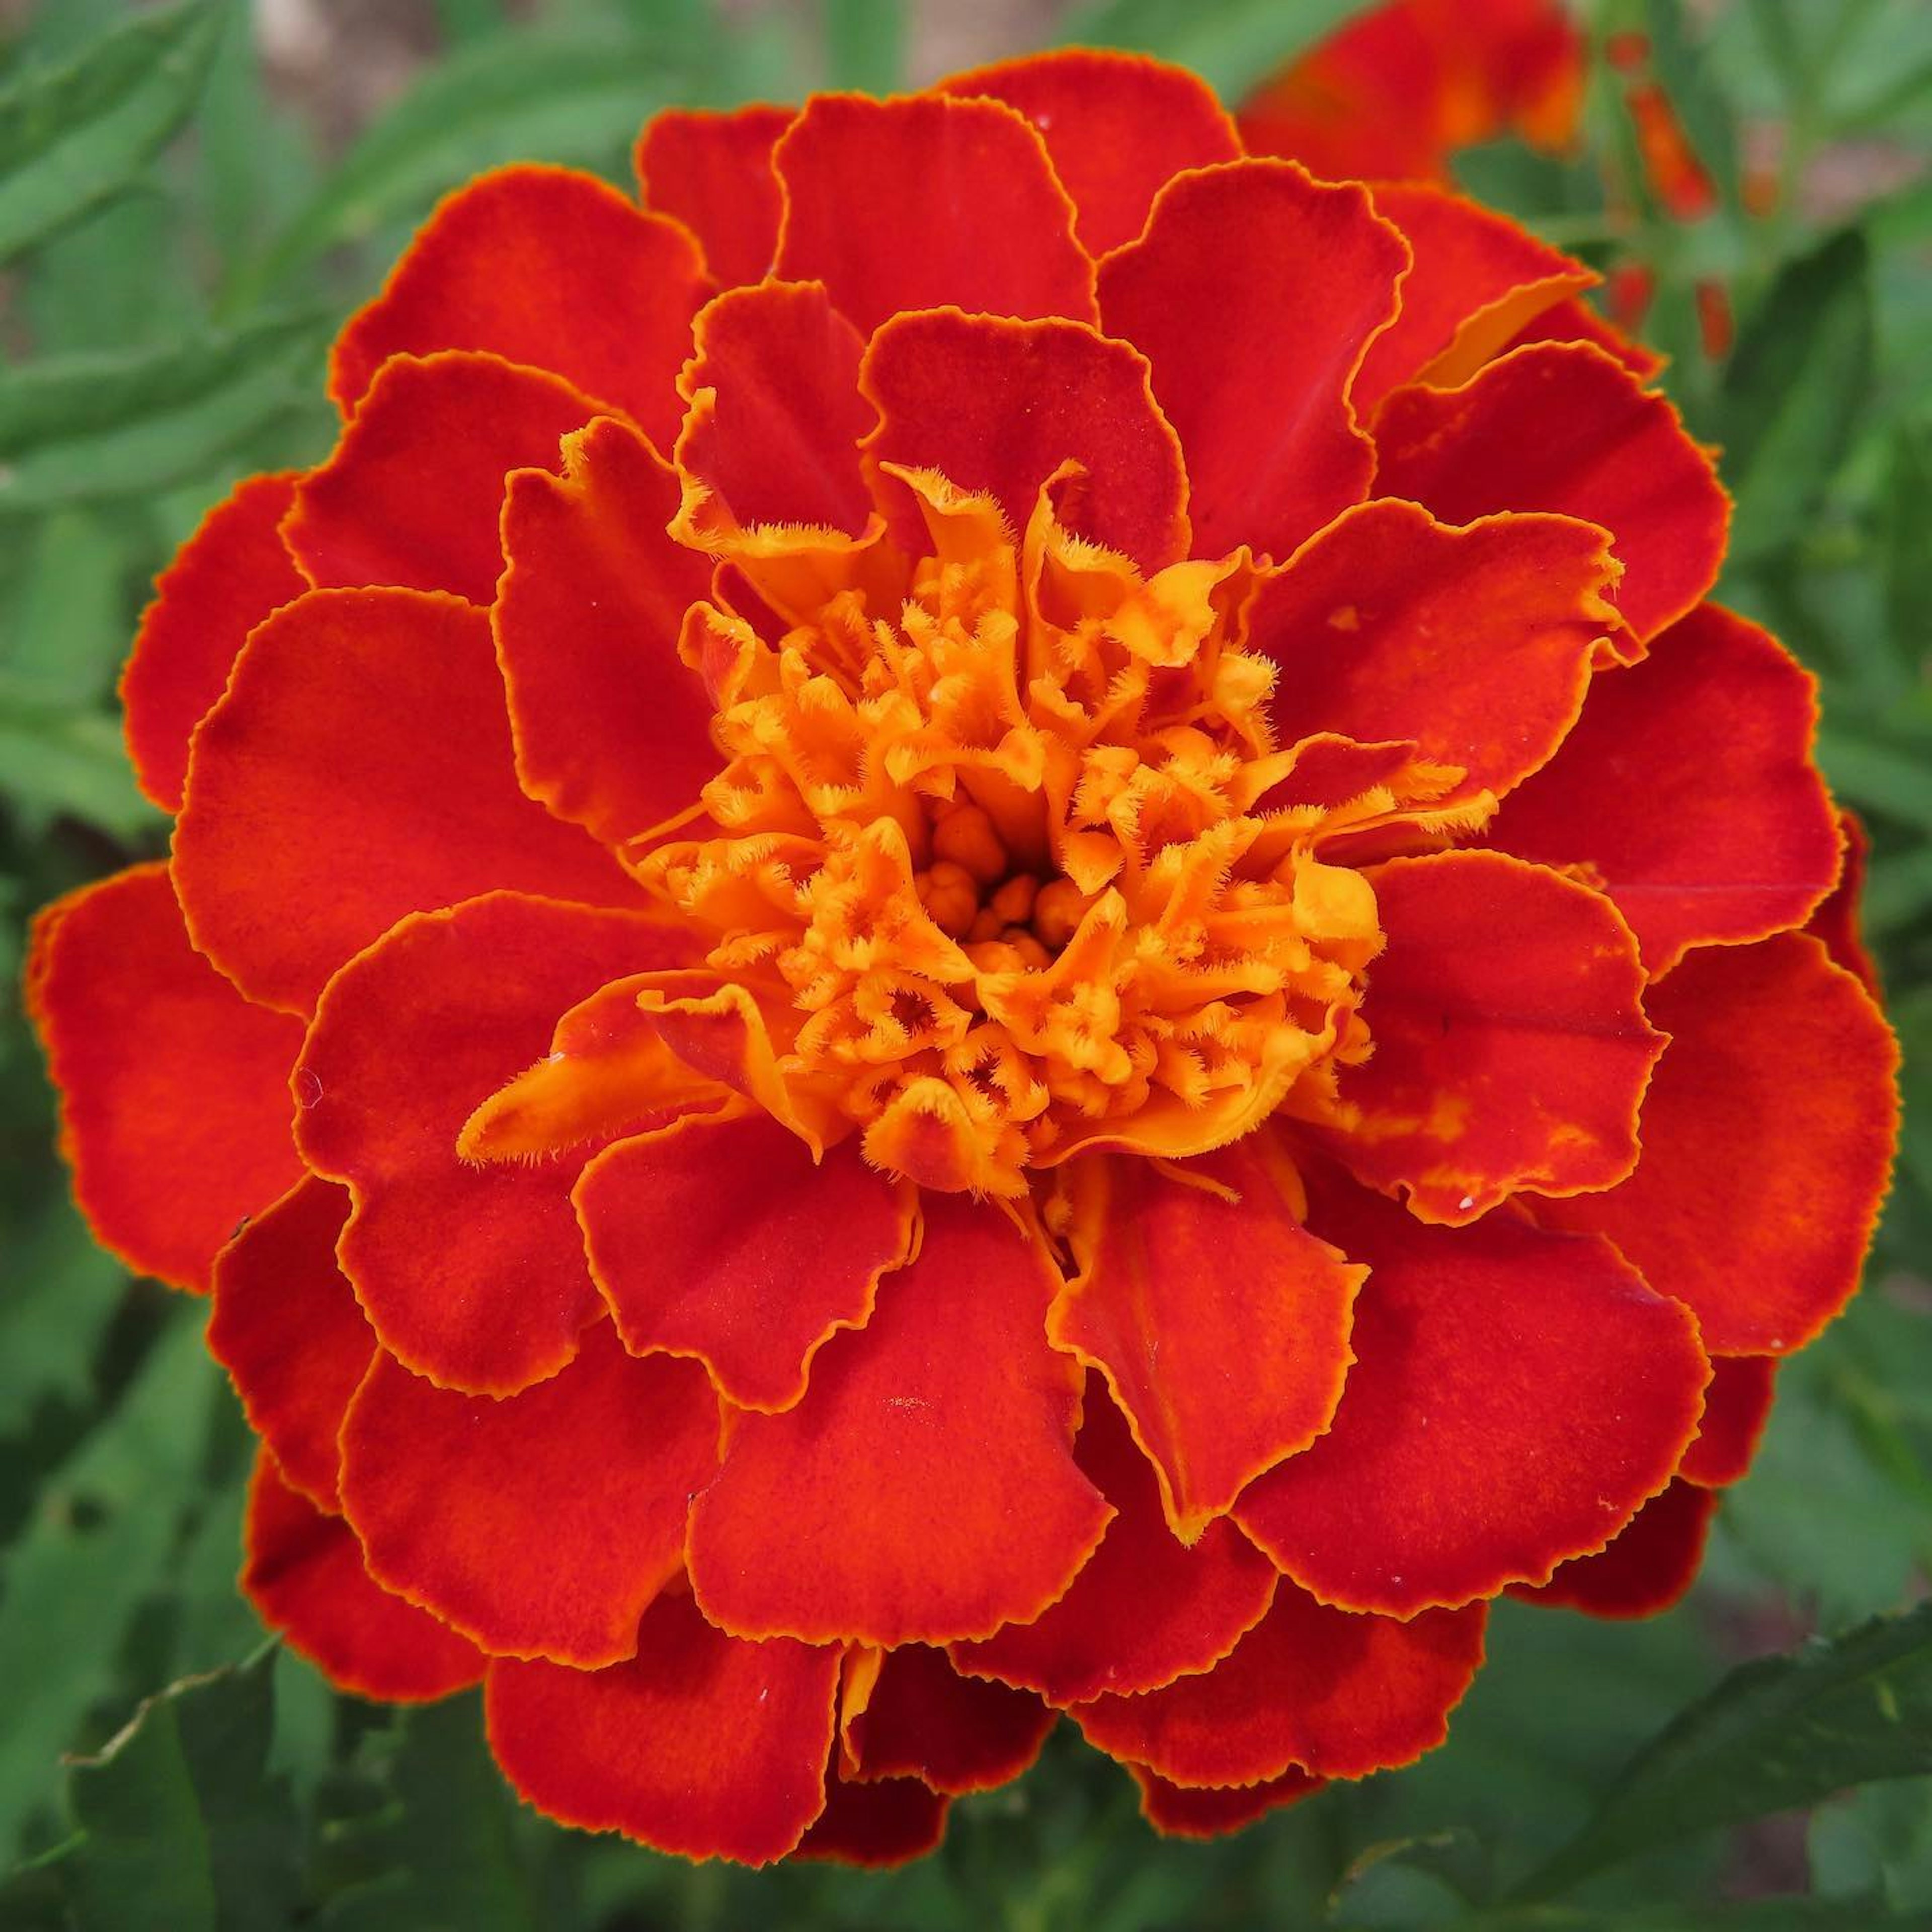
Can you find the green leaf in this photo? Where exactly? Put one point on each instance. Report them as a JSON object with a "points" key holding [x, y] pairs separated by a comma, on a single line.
{"points": [[61, 1292], [1794, 392], [1233, 43], [64, 764], [865, 44], [71, 138], [1783, 1732], [67, 631]]}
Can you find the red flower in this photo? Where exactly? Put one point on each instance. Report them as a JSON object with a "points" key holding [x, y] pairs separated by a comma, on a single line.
{"points": [[970, 941]]}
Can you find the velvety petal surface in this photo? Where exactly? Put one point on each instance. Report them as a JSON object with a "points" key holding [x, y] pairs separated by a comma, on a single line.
{"points": [[723, 1240], [304, 1576], [702, 1745], [1147, 1608], [226, 579], [287, 862], [1565, 426], [542, 1524], [1222, 1326], [472, 1275], [1737, 1405], [925, 1430], [612, 731], [1334, 1695], [1511, 1048], [1209, 1811], [877, 1825], [286, 1327], [413, 492], [1779, 1058], [1687, 791], [549, 267], [134, 1021], [1474, 643], [924, 200], [1253, 293], [1517, 1396], [920, 1718], [1117, 126], [1649, 1567], [997, 406], [713, 172]]}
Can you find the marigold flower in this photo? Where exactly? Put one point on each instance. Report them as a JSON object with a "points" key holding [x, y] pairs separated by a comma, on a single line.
{"points": [[973, 850]]}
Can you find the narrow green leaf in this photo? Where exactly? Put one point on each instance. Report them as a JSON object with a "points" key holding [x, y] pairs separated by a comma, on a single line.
{"points": [[62, 763], [1783, 1732], [71, 137], [1233, 43], [61, 1292], [865, 44]]}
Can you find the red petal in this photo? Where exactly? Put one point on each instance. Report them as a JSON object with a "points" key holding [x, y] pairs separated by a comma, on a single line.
{"points": [[1517, 1396], [712, 172], [1779, 1059], [1147, 1608], [703, 1746], [1117, 127], [413, 493], [1737, 1405], [226, 578], [174, 1090], [1213, 1811], [1222, 1326], [998, 406], [1687, 792], [1564, 426], [1254, 292], [779, 441], [542, 1524], [304, 1577], [358, 769], [472, 1275], [1648, 1568], [922, 201], [944, 1430], [1837, 919], [1477, 280], [1574, 320], [1337, 1696], [889, 1823], [1511, 1048], [545, 266], [612, 731], [922, 1719], [286, 1327], [722, 1240], [1475, 644]]}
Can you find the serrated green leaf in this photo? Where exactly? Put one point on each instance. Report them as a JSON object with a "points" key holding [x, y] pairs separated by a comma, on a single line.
{"points": [[71, 137], [1783, 1732], [1234, 44]]}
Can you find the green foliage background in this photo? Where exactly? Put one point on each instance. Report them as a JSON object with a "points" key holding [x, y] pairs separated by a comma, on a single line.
{"points": [[178, 253]]}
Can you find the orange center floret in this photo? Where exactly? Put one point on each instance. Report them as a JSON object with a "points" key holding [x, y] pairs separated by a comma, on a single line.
{"points": [[1007, 857]]}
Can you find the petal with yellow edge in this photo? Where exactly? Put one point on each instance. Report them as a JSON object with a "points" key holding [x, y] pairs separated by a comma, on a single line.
{"points": [[1737, 1405], [1213, 1811], [1651, 1566], [713, 172], [908, 1713]]}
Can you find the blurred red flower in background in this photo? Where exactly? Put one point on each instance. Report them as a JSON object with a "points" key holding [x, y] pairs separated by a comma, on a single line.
{"points": [[1031, 954]]}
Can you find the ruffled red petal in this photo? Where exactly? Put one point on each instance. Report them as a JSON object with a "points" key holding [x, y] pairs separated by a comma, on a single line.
{"points": [[919, 1718], [226, 579], [1838, 919], [286, 1327], [1687, 792], [174, 1089], [921, 201], [1221, 1325], [1478, 279], [413, 492], [1574, 320], [1333, 1694], [358, 768], [1147, 1608], [1511, 1048], [474, 1277], [548, 267], [1565, 426], [701, 1745], [722, 1240], [1117, 127], [612, 731], [877, 1825], [1213, 1811], [1737, 1405], [998, 406], [541, 1525], [1779, 1059], [1254, 292], [304, 1576], [1649, 1567], [713, 172], [1475, 644], [1517, 1398], [924, 1488]]}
